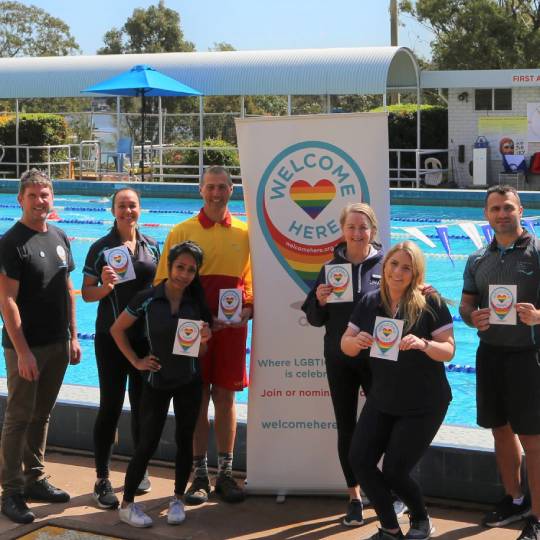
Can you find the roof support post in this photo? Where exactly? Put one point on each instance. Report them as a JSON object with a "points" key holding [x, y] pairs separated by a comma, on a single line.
{"points": [[289, 105], [418, 133], [17, 137], [160, 136], [201, 136]]}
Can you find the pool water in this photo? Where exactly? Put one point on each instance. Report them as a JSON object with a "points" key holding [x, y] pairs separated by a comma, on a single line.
{"points": [[88, 218]]}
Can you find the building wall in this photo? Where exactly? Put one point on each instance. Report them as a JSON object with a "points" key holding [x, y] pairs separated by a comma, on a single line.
{"points": [[463, 127]]}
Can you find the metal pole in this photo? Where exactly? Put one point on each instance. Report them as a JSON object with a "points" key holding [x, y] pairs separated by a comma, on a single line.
{"points": [[328, 104], [142, 135], [160, 135], [118, 117], [289, 105], [242, 107], [201, 136], [418, 130], [17, 136]]}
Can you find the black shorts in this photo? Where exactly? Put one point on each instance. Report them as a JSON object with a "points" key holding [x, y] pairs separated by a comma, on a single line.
{"points": [[508, 389]]}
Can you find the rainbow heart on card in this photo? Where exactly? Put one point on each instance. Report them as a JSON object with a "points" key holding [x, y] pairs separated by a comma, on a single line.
{"points": [[501, 301], [119, 262], [339, 278], [187, 334], [230, 301], [386, 334], [312, 199]]}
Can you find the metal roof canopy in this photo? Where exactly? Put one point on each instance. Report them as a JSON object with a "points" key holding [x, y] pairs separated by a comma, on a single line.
{"points": [[368, 70]]}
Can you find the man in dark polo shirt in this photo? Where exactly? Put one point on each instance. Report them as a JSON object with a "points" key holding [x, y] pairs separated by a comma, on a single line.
{"points": [[39, 339], [507, 361]]}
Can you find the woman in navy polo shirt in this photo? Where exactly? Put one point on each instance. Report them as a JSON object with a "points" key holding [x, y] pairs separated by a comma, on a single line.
{"points": [[409, 397], [101, 283], [171, 375]]}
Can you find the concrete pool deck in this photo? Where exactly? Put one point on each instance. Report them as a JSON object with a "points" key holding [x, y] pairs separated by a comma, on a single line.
{"points": [[305, 518]]}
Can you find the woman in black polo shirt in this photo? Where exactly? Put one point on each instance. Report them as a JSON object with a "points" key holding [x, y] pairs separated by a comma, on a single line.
{"points": [[409, 397], [171, 375], [100, 283]]}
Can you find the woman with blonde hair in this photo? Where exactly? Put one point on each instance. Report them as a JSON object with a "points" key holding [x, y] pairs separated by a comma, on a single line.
{"points": [[408, 398], [346, 375]]}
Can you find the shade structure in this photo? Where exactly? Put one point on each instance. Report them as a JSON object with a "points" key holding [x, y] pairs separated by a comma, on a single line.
{"points": [[142, 80]]}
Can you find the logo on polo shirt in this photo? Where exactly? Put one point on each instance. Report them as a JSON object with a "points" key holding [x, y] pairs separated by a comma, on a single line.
{"points": [[61, 252], [300, 195]]}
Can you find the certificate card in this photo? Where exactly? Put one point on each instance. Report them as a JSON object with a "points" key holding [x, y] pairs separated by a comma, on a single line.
{"points": [[387, 336], [188, 337], [340, 277], [502, 304], [230, 305], [119, 259]]}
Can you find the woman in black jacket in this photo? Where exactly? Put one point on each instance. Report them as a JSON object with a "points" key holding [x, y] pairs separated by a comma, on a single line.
{"points": [[346, 375]]}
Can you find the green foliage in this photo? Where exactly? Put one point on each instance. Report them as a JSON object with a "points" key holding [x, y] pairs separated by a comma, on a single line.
{"points": [[34, 130], [480, 34], [31, 31], [153, 30], [220, 153]]}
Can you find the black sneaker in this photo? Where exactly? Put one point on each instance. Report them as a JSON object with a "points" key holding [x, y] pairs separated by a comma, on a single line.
{"points": [[354, 516], [507, 512], [198, 491], [228, 489], [421, 529], [531, 531], [14, 507], [385, 535], [43, 491], [104, 494]]}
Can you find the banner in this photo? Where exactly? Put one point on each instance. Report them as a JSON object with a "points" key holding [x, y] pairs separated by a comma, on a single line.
{"points": [[298, 173], [506, 134]]}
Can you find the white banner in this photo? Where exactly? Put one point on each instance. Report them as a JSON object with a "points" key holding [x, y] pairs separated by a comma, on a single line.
{"points": [[298, 173]]}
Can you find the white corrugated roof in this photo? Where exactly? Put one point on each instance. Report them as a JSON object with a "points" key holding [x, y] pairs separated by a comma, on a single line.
{"points": [[481, 78], [369, 70]]}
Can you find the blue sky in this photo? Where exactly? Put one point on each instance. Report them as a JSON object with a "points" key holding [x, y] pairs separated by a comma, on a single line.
{"points": [[251, 24]]}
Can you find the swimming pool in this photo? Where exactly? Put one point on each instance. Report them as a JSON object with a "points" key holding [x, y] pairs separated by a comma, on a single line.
{"points": [[87, 218]]}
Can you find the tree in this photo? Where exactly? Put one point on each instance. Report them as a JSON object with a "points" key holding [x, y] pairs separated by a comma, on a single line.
{"points": [[31, 31], [153, 30], [480, 34]]}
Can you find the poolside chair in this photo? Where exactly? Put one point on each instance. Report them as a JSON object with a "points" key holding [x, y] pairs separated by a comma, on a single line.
{"points": [[124, 149]]}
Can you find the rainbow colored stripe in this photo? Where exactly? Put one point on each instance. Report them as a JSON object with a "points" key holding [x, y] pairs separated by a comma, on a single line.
{"points": [[306, 261]]}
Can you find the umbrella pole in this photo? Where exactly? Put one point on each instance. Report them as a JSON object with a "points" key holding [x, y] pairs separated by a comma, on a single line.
{"points": [[142, 133]]}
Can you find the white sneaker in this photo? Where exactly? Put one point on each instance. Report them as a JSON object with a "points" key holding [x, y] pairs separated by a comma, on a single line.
{"points": [[176, 513], [133, 515], [145, 486]]}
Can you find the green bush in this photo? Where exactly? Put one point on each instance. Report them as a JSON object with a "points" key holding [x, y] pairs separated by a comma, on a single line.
{"points": [[34, 130]]}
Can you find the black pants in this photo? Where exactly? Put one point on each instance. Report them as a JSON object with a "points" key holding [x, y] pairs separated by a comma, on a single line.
{"points": [[345, 377], [403, 440], [154, 409], [113, 370]]}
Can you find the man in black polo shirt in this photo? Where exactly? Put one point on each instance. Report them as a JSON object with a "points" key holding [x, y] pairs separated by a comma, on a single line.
{"points": [[507, 361], [39, 339]]}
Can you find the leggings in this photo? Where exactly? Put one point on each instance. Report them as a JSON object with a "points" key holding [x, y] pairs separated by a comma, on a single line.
{"points": [[154, 409], [403, 440], [113, 370], [345, 377]]}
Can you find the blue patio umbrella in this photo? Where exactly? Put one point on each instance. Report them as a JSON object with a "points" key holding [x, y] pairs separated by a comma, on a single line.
{"points": [[142, 80]]}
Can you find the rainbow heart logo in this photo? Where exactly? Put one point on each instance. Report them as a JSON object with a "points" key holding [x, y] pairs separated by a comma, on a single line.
{"points": [[230, 301], [501, 301], [313, 199], [299, 198], [119, 262], [187, 334], [386, 334], [339, 278]]}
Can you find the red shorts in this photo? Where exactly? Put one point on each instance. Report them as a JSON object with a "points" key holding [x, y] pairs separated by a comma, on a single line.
{"points": [[224, 363]]}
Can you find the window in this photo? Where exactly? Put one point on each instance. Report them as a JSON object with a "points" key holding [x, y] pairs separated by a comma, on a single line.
{"points": [[493, 99]]}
